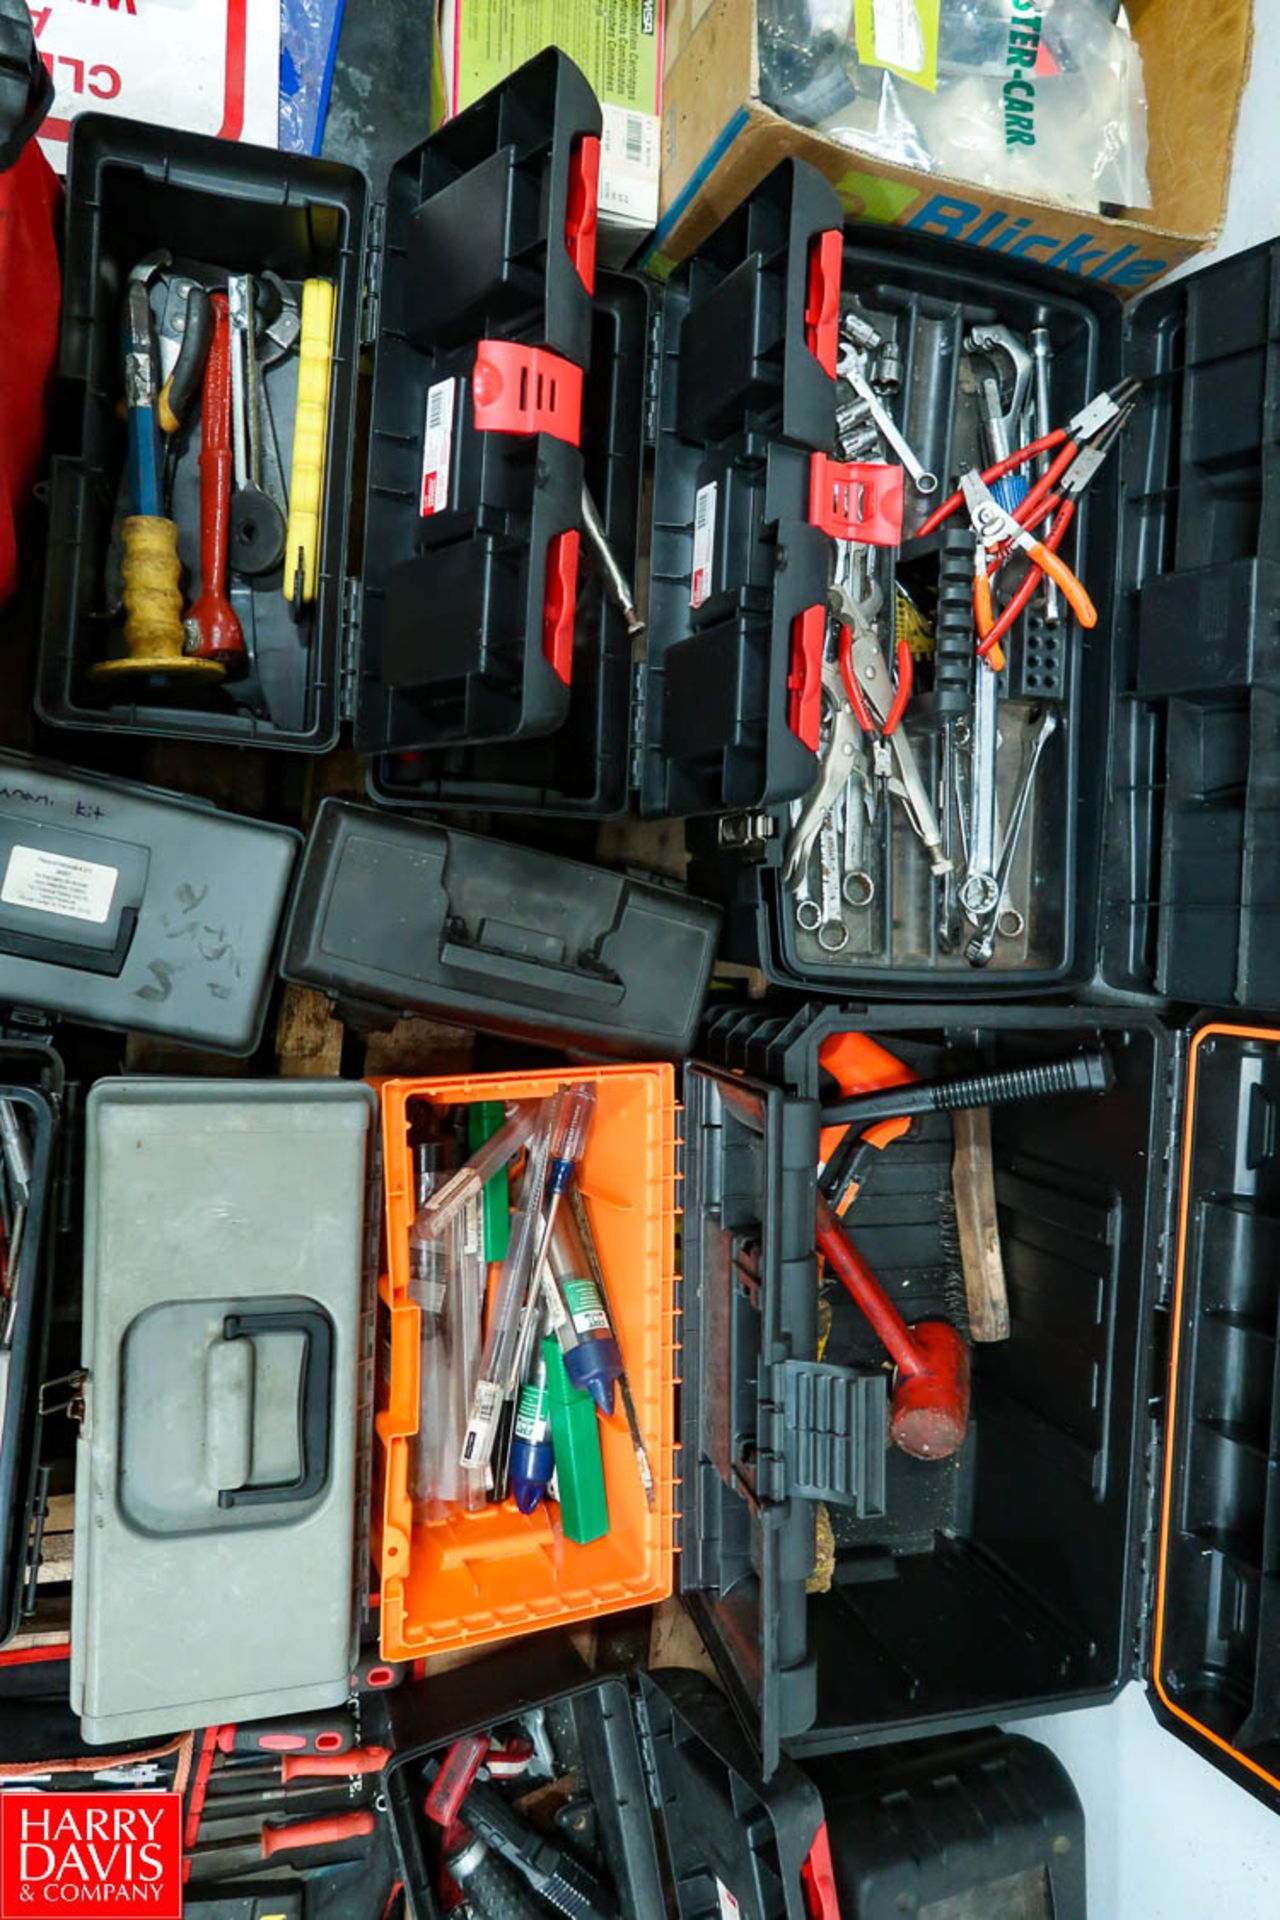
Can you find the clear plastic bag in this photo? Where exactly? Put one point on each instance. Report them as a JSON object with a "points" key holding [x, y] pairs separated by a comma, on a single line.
{"points": [[1045, 100]]}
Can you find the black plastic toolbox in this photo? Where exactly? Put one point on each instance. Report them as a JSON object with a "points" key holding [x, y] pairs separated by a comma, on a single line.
{"points": [[1110, 1513], [667, 1792], [394, 916], [1148, 854], [32, 1081]]}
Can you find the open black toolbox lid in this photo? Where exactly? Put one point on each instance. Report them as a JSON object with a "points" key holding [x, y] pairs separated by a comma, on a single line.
{"points": [[677, 1789], [1112, 1512], [491, 236], [1164, 851], [32, 1079], [729, 373]]}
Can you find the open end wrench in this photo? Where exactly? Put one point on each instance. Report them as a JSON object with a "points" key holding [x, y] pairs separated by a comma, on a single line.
{"points": [[979, 894], [257, 521], [979, 950], [833, 935]]}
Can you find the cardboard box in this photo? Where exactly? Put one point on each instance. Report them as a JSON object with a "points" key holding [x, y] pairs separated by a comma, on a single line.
{"points": [[719, 140], [618, 45]]}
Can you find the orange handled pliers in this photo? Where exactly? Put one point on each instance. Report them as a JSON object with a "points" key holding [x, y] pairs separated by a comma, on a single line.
{"points": [[993, 528]]}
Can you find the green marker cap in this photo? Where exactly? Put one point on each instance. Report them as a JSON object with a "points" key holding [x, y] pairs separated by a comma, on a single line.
{"points": [[575, 1438]]}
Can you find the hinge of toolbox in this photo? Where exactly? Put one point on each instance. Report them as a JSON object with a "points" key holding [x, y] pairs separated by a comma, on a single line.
{"points": [[70, 1390], [371, 305], [352, 618], [653, 375], [822, 1436], [639, 717]]}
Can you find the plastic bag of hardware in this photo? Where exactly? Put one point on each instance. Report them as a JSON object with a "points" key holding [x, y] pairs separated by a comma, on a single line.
{"points": [[1039, 97]]}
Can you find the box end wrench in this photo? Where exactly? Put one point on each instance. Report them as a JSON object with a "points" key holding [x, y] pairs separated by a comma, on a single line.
{"points": [[852, 367], [981, 947]]}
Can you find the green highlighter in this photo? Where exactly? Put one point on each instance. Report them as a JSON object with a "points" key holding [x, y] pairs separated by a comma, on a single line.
{"points": [[575, 1439], [484, 1117]]}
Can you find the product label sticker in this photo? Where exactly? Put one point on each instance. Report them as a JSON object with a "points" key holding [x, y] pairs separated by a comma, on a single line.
{"points": [[55, 883], [437, 448], [901, 35], [730, 1907], [486, 1405], [586, 1306], [704, 542], [629, 174]]}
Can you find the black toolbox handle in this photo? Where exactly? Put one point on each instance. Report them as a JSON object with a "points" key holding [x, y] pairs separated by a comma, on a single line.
{"points": [[315, 1403], [514, 971]]}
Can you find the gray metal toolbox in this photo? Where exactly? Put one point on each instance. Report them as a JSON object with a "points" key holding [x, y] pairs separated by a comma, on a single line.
{"points": [[125, 906], [226, 1397]]}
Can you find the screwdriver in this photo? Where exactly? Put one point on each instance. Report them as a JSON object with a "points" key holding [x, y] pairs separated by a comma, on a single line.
{"points": [[310, 1766], [305, 1733], [299, 1836]]}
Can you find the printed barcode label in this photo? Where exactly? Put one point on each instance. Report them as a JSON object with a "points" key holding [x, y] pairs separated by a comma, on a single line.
{"points": [[56, 883], [730, 1907], [634, 137], [486, 1404], [472, 1227], [437, 448], [704, 542]]}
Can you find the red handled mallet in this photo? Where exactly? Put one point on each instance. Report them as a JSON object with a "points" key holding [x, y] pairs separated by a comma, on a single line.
{"points": [[930, 1407]]}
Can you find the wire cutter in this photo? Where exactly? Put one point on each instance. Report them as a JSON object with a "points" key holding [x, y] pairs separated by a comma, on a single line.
{"points": [[1070, 441], [993, 528], [1058, 508]]}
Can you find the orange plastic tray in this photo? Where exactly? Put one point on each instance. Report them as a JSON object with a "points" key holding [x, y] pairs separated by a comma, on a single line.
{"points": [[489, 1576]]}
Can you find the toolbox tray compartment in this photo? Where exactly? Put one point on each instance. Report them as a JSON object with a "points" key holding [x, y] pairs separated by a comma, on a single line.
{"points": [[477, 1577], [935, 294], [31, 1076], [132, 187], [405, 916], [999, 1582], [583, 767]]}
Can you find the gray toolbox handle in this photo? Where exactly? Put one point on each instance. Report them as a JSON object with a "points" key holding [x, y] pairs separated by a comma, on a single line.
{"points": [[315, 1403]]}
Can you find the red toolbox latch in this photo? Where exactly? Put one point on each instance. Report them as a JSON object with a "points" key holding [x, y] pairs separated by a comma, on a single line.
{"points": [[856, 500], [818, 1879], [516, 389], [582, 206], [559, 600], [804, 679], [822, 304]]}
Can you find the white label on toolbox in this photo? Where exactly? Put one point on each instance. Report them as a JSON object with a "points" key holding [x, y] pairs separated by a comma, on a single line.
{"points": [[55, 883], [729, 1906], [437, 448], [704, 542]]}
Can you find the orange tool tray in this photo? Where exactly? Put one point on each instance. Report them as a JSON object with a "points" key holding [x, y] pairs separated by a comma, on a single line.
{"points": [[480, 1577]]}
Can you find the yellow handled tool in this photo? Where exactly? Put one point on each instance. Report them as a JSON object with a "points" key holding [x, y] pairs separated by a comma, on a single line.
{"points": [[310, 439]]}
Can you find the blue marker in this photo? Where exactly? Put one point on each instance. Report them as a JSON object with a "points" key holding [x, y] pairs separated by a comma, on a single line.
{"points": [[532, 1456]]}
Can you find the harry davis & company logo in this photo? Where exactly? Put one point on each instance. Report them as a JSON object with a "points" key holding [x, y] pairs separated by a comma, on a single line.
{"points": [[114, 1855]]}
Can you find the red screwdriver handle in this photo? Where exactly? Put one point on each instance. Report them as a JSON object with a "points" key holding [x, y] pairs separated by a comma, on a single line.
{"points": [[326, 1832], [312, 1766], [306, 1733], [213, 631]]}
